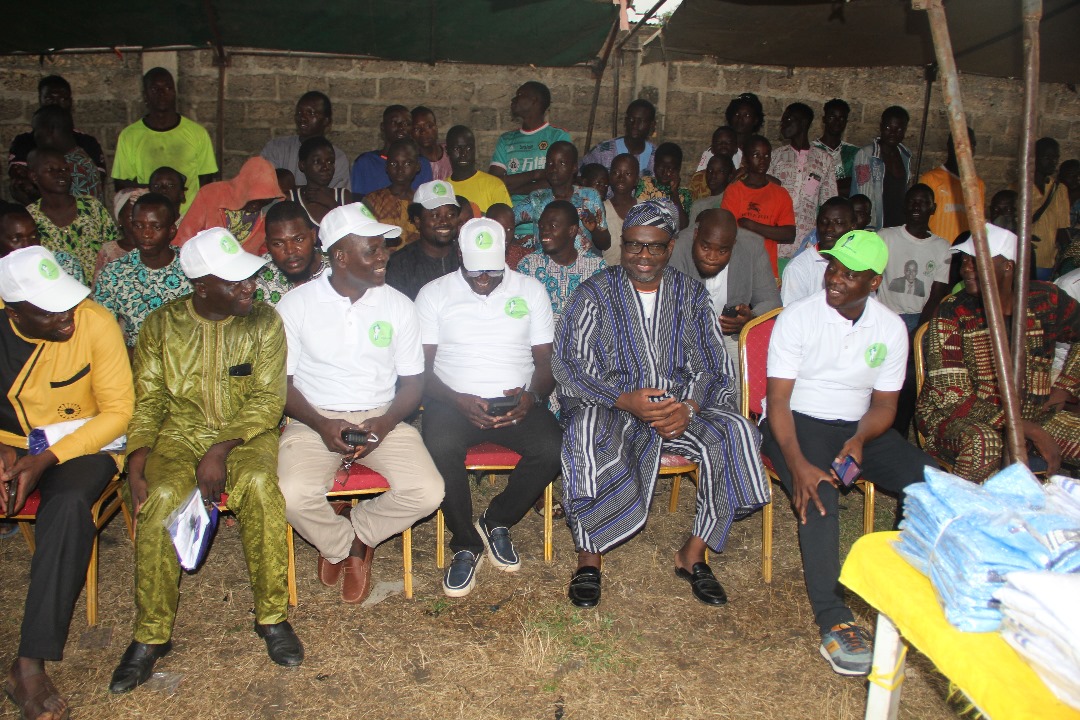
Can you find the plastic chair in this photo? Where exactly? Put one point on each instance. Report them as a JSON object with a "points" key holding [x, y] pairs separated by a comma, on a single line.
{"points": [[485, 458], [753, 360], [107, 505]]}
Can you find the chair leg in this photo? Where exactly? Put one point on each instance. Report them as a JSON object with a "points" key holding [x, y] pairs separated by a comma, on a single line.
{"points": [[766, 541], [28, 535], [675, 480], [549, 510], [868, 508], [92, 585], [440, 538], [290, 543], [406, 559]]}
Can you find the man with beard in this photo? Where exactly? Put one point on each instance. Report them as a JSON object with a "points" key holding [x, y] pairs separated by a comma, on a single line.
{"points": [[292, 252], [836, 365], [960, 408], [436, 213], [805, 274], [641, 369]]}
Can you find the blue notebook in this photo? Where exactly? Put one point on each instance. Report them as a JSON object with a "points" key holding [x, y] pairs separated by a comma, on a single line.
{"points": [[191, 527]]}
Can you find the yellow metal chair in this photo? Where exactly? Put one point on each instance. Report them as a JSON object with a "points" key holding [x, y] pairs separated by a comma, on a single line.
{"points": [[107, 505]]}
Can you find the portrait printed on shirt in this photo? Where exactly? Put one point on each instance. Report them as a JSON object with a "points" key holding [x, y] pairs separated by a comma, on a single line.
{"points": [[910, 284]]}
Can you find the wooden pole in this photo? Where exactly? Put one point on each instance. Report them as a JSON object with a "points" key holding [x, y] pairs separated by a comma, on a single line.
{"points": [[939, 30], [599, 72]]}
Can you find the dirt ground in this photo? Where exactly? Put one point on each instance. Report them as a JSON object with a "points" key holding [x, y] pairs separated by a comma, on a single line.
{"points": [[515, 648]]}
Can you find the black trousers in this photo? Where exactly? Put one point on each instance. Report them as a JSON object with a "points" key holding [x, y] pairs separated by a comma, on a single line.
{"points": [[890, 461], [64, 533], [448, 435]]}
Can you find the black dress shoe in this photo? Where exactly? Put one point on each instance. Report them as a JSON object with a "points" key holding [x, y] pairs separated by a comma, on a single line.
{"points": [[706, 587], [584, 590], [282, 644], [137, 665]]}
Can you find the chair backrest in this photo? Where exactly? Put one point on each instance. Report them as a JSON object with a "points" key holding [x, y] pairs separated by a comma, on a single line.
{"points": [[753, 358]]}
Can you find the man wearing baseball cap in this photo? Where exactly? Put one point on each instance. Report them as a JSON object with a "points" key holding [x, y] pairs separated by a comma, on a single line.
{"points": [[209, 393], [836, 365], [435, 211], [355, 372], [960, 410], [64, 359], [487, 333]]}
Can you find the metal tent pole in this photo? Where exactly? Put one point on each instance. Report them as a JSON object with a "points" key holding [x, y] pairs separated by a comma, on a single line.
{"points": [[939, 29]]}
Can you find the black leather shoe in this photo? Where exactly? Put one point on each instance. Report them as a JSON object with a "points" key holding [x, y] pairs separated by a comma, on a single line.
{"points": [[584, 590], [706, 587], [282, 644], [137, 665]]}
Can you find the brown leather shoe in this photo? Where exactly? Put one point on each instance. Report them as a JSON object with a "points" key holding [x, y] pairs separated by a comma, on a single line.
{"points": [[329, 573], [357, 571]]}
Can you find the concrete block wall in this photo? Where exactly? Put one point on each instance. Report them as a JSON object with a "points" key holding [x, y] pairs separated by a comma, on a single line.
{"points": [[261, 92]]}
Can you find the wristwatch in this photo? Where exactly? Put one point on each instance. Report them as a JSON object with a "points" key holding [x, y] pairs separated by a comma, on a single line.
{"points": [[690, 408], [537, 400]]}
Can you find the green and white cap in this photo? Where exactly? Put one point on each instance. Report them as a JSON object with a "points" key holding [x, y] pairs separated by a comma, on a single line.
{"points": [[31, 274], [435, 194], [483, 245], [352, 219], [216, 252], [860, 250]]}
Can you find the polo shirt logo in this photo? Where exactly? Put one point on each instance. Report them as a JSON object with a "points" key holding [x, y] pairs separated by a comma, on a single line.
{"points": [[380, 333], [48, 269], [516, 307], [875, 354]]}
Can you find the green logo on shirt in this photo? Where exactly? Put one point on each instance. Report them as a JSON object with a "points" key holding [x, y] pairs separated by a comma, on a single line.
{"points": [[875, 354], [517, 308], [229, 245], [380, 333], [48, 269], [484, 240]]}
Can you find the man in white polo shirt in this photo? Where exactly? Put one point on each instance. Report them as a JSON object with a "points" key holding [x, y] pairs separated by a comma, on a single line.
{"points": [[487, 333], [836, 365], [351, 340]]}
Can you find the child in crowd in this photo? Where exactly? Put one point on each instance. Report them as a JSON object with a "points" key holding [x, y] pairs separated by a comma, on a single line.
{"points": [[724, 142], [666, 183], [55, 130], [595, 176], [285, 180], [317, 160], [759, 205], [718, 175], [623, 177], [425, 133], [123, 204], [171, 183], [863, 211], [391, 204]]}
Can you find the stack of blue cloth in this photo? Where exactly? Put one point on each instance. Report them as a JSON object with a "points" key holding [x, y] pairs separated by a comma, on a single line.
{"points": [[966, 538]]}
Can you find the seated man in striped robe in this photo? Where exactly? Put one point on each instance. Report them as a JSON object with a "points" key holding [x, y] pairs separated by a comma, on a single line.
{"points": [[641, 369]]}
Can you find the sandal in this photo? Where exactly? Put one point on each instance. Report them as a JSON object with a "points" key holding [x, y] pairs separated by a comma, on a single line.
{"points": [[33, 694], [557, 512], [584, 590]]}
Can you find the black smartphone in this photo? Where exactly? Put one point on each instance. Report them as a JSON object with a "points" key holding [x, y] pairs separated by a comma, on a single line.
{"points": [[501, 405], [730, 311], [659, 398], [848, 470], [355, 438]]}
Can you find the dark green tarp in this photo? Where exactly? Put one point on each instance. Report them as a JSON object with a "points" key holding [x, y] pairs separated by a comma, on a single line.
{"points": [[493, 32]]}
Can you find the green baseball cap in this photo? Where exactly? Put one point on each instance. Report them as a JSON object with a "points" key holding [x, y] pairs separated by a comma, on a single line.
{"points": [[860, 250]]}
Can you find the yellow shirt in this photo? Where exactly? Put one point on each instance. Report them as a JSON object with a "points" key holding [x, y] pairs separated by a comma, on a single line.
{"points": [[483, 189], [950, 219], [1055, 217]]}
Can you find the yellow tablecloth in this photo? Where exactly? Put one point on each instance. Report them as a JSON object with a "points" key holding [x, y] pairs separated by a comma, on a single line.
{"points": [[982, 664]]}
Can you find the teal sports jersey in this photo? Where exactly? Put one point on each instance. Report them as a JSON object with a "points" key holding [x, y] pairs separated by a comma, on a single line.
{"points": [[519, 151]]}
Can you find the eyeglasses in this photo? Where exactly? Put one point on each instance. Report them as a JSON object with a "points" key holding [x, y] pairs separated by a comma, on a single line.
{"points": [[489, 273], [655, 249]]}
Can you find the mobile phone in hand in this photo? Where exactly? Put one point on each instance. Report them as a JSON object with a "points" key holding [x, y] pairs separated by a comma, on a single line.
{"points": [[730, 311], [847, 470], [659, 398], [502, 405], [355, 438]]}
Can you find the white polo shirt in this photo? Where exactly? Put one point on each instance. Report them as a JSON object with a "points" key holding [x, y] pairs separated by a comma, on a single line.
{"points": [[485, 342], [836, 364], [345, 355], [803, 276]]}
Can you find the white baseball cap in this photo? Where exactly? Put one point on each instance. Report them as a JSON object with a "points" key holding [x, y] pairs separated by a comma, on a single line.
{"points": [[215, 252], [1002, 242], [483, 245], [31, 274], [352, 219], [435, 194]]}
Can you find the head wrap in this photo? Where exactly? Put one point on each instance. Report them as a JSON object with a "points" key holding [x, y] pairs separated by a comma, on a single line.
{"points": [[121, 199], [660, 213]]}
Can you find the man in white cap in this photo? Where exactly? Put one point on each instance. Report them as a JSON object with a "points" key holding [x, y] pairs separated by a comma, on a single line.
{"points": [[960, 410], [487, 333], [62, 354], [435, 212], [355, 372], [210, 390]]}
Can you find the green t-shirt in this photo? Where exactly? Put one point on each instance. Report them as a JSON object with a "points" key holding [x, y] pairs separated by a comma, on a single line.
{"points": [[519, 151], [186, 148]]}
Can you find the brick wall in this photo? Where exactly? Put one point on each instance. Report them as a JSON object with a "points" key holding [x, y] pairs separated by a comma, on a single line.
{"points": [[262, 90]]}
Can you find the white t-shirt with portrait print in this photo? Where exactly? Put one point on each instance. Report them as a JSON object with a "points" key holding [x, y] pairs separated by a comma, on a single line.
{"points": [[914, 265]]}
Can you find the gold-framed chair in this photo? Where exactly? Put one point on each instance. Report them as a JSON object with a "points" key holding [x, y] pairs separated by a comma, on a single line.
{"points": [[107, 505]]}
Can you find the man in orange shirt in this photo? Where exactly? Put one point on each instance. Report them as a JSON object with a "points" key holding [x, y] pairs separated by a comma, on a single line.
{"points": [[950, 220]]}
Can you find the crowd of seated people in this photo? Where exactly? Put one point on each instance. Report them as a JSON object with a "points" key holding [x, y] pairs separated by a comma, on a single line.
{"points": [[579, 306]]}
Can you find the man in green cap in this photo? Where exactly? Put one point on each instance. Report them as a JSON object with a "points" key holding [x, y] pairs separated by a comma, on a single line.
{"points": [[836, 365]]}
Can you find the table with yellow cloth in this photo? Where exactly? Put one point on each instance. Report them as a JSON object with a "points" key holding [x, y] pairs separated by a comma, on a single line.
{"points": [[990, 672]]}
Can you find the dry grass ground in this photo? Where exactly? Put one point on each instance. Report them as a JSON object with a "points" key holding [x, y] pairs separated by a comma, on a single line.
{"points": [[515, 648]]}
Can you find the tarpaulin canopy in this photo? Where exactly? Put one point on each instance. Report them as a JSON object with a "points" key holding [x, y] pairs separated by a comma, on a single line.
{"points": [[986, 35], [493, 32]]}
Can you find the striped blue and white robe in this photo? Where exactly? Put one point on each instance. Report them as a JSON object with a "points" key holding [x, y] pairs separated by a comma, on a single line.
{"points": [[604, 347]]}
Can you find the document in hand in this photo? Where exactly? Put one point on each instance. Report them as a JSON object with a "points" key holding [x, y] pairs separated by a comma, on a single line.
{"points": [[191, 528]]}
